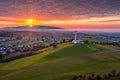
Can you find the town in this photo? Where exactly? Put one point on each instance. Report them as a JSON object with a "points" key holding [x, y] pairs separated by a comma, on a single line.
{"points": [[18, 44]]}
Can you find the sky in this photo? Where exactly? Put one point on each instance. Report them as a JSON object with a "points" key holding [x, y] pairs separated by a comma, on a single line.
{"points": [[76, 14]]}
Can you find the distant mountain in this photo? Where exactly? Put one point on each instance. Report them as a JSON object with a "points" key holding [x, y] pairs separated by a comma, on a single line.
{"points": [[34, 28]]}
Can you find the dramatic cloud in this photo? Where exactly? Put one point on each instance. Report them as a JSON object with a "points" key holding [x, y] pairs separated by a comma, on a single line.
{"points": [[59, 9], [62, 12]]}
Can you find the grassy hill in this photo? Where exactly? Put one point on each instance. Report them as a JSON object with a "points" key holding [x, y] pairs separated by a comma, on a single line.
{"points": [[62, 63]]}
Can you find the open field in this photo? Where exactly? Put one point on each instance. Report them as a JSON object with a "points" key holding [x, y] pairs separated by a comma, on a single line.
{"points": [[62, 63], [93, 39]]}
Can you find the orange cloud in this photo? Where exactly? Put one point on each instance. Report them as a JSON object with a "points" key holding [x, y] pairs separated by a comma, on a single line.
{"points": [[90, 22]]}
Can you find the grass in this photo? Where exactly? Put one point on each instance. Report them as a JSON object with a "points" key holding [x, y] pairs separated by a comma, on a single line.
{"points": [[62, 63], [93, 39], [75, 50]]}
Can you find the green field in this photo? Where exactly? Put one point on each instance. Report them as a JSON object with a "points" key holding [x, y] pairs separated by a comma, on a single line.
{"points": [[62, 63], [94, 39]]}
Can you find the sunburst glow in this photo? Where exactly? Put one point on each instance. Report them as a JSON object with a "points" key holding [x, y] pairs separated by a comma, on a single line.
{"points": [[30, 22]]}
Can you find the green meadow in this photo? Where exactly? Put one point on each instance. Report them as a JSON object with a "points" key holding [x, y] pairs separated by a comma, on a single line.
{"points": [[63, 62]]}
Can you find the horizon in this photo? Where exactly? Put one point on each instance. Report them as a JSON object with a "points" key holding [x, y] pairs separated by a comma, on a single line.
{"points": [[66, 29]]}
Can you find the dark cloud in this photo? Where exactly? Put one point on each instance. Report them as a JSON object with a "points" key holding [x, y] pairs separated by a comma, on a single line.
{"points": [[59, 9]]}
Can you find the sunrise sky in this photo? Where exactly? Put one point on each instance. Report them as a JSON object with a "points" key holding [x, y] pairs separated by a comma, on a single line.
{"points": [[81, 14]]}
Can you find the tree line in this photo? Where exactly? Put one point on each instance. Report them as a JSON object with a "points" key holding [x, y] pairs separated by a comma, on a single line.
{"points": [[106, 76], [102, 43]]}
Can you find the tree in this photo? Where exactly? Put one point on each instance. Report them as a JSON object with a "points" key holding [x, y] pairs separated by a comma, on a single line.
{"points": [[63, 40], [86, 42], [54, 45], [1, 57]]}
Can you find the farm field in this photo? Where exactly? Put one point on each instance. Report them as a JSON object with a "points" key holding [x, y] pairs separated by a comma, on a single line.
{"points": [[63, 62]]}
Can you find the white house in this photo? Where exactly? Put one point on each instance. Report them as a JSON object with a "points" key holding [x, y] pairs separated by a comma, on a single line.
{"points": [[76, 41]]}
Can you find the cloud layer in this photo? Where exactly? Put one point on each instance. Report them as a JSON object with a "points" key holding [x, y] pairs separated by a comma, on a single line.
{"points": [[61, 12], [59, 9]]}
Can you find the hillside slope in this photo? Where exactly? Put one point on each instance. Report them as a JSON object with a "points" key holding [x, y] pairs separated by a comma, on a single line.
{"points": [[62, 63]]}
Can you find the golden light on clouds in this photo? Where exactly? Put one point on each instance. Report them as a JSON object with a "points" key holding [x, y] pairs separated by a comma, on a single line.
{"points": [[30, 22], [72, 23]]}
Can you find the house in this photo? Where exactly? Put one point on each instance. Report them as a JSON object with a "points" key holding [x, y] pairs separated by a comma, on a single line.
{"points": [[78, 42]]}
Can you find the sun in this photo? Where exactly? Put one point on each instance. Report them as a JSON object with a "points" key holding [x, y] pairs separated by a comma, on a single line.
{"points": [[31, 22]]}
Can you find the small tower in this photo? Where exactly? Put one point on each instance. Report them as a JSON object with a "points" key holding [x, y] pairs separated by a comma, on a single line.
{"points": [[75, 37]]}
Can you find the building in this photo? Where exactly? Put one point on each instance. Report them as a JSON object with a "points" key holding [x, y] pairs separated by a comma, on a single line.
{"points": [[77, 41]]}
